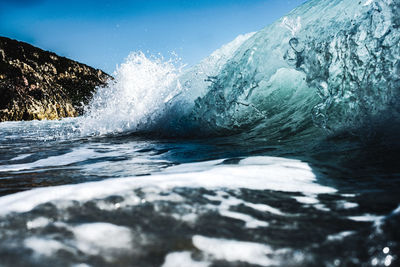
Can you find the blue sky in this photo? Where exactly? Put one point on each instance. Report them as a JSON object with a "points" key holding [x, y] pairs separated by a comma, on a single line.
{"points": [[102, 33]]}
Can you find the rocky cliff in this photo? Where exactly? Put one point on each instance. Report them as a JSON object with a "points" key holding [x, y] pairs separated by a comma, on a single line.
{"points": [[36, 84]]}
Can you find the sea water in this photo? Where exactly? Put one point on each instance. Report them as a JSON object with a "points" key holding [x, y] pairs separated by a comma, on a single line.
{"points": [[280, 149]]}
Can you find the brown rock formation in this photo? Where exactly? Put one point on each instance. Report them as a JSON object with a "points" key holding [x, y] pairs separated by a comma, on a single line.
{"points": [[36, 84]]}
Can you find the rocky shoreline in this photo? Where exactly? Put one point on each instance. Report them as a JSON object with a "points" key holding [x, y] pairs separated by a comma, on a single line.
{"points": [[37, 84]]}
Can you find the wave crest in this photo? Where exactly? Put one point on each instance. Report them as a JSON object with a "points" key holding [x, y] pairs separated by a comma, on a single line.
{"points": [[329, 70]]}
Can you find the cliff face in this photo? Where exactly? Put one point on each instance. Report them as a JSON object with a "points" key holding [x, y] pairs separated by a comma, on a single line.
{"points": [[36, 84]]}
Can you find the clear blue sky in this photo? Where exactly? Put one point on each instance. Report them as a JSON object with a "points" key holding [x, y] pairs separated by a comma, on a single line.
{"points": [[101, 33]]}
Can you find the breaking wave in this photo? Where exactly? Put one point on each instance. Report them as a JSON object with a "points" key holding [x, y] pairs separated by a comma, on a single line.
{"points": [[303, 74]]}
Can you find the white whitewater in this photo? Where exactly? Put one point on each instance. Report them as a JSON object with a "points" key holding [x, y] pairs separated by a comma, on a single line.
{"points": [[258, 173], [266, 187], [148, 89]]}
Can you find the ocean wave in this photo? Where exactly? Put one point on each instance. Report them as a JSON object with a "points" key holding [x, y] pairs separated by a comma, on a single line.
{"points": [[306, 72]]}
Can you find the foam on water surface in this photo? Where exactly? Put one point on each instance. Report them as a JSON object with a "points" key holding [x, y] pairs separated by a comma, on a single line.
{"points": [[43, 247], [182, 259], [102, 238], [258, 173], [286, 87], [22, 156], [92, 239], [166, 193], [231, 250], [74, 156]]}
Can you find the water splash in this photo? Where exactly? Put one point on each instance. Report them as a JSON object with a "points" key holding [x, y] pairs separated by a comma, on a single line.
{"points": [[336, 71], [152, 93], [135, 98]]}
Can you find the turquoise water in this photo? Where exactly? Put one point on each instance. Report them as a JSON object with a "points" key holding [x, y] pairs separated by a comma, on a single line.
{"points": [[279, 149]]}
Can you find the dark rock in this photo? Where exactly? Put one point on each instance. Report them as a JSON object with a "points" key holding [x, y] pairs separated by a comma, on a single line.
{"points": [[37, 84]]}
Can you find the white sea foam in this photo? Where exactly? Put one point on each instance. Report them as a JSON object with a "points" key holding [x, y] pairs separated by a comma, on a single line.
{"points": [[226, 202], [105, 239], [43, 246], [366, 218], [307, 200], [250, 221], [37, 223], [259, 173], [22, 156], [76, 155], [231, 250], [397, 210], [80, 265], [102, 238], [346, 205], [264, 208], [182, 259], [340, 236], [87, 153]]}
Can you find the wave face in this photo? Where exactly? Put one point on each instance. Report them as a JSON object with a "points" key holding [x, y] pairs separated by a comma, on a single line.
{"points": [[146, 88], [330, 65]]}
